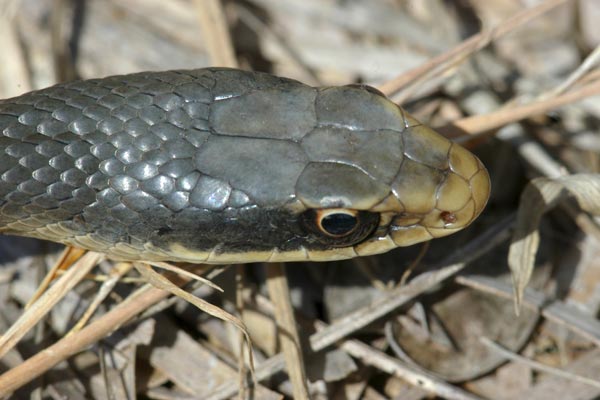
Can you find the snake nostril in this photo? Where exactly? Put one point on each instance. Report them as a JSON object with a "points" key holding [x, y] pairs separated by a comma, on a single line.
{"points": [[448, 217]]}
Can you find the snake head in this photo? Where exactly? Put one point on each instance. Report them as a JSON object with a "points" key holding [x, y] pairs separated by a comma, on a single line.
{"points": [[384, 163]]}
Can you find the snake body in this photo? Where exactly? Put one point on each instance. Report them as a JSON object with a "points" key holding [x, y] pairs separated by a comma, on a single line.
{"points": [[220, 165]]}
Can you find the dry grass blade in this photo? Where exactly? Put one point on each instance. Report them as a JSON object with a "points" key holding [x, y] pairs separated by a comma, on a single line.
{"points": [[538, 366], [159, 281], [483, 123], [174, 268], [413, 265], [539, 196], [286, 324], [67, 258], [585, 69], [240, 274], [215, 31], [48, 300], [107, 286], [438, 65]]}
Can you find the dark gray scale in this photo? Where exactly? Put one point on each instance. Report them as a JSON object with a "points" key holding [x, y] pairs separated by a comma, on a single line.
{"points": [[357, 147], [265, 169], [339, 185], [269, 113], [356, 109]]}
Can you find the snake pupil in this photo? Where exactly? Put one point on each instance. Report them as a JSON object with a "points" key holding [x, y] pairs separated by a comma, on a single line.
{"points": [[339, 224]]}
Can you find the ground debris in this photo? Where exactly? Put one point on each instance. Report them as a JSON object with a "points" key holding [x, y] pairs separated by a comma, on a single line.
{"points": [[364, 334]]}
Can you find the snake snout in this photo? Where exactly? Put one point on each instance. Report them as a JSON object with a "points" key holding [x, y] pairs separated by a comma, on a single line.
{"points": [[438, 200]]}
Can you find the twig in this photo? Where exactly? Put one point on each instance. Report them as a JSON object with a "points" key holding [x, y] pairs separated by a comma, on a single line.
{"points": [[437, 65], [536, 365], [66, 259], [484, 123], [239, 306], [393, 366], [414, 264], [286, 324]]}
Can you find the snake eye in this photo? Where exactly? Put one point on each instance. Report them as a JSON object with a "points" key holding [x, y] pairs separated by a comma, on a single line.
{"points": [[337, 222], [340, 226]]}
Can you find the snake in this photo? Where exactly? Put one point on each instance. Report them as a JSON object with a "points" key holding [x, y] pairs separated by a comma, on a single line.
{"points": [[218, 165]]}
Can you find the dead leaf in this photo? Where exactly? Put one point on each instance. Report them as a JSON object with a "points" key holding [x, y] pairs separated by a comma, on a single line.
{"points": [[541, 195]]}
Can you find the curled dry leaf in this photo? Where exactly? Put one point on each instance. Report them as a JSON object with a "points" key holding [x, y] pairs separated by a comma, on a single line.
{"points": [[541, 195]]}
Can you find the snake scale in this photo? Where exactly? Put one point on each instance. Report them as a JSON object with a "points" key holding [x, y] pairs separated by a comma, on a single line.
{"points": [[220, 165]]}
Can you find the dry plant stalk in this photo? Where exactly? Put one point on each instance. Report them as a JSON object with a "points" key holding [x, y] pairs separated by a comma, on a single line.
{"points": [[161, 282], [182, 272], [485, 123]]}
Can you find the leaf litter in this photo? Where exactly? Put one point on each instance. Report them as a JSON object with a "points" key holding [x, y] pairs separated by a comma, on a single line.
{"points": [[528, 104]]}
